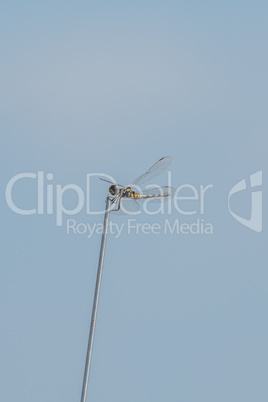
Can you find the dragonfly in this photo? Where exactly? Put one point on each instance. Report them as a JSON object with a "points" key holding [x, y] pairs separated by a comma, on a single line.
{"points": [[125, 198]]}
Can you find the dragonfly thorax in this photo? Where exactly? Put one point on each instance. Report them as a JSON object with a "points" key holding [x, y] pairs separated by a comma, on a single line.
{"points": [[113, 190]]}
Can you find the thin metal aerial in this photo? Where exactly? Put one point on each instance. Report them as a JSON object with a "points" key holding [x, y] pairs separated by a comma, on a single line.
{"points": [[96, 301]]}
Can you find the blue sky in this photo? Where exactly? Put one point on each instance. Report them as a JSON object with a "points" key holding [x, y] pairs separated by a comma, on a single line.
{"points": [[110, 87]]}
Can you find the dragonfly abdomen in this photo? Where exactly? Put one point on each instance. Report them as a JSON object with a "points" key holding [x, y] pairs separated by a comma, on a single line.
{"points": [[128, 193], [140, 196]]}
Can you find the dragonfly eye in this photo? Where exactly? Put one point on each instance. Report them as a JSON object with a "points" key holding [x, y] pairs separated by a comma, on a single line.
{"points": [[113, 190]]}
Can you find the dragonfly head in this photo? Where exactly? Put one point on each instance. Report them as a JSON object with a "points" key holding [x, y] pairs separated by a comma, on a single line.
{"points": [[113, 190]]}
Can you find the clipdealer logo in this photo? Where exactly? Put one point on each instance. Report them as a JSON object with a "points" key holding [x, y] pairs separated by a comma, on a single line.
{"points": [[50, 200], [255, 221]]}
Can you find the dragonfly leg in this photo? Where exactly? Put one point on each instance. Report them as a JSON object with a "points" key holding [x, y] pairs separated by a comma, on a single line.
{"points": [[113, 199], [117, 209]]}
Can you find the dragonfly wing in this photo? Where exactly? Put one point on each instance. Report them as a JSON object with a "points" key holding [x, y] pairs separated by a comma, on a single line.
{"points": [[154, 171], [127, 207], [107, 181], [158, 194]]}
